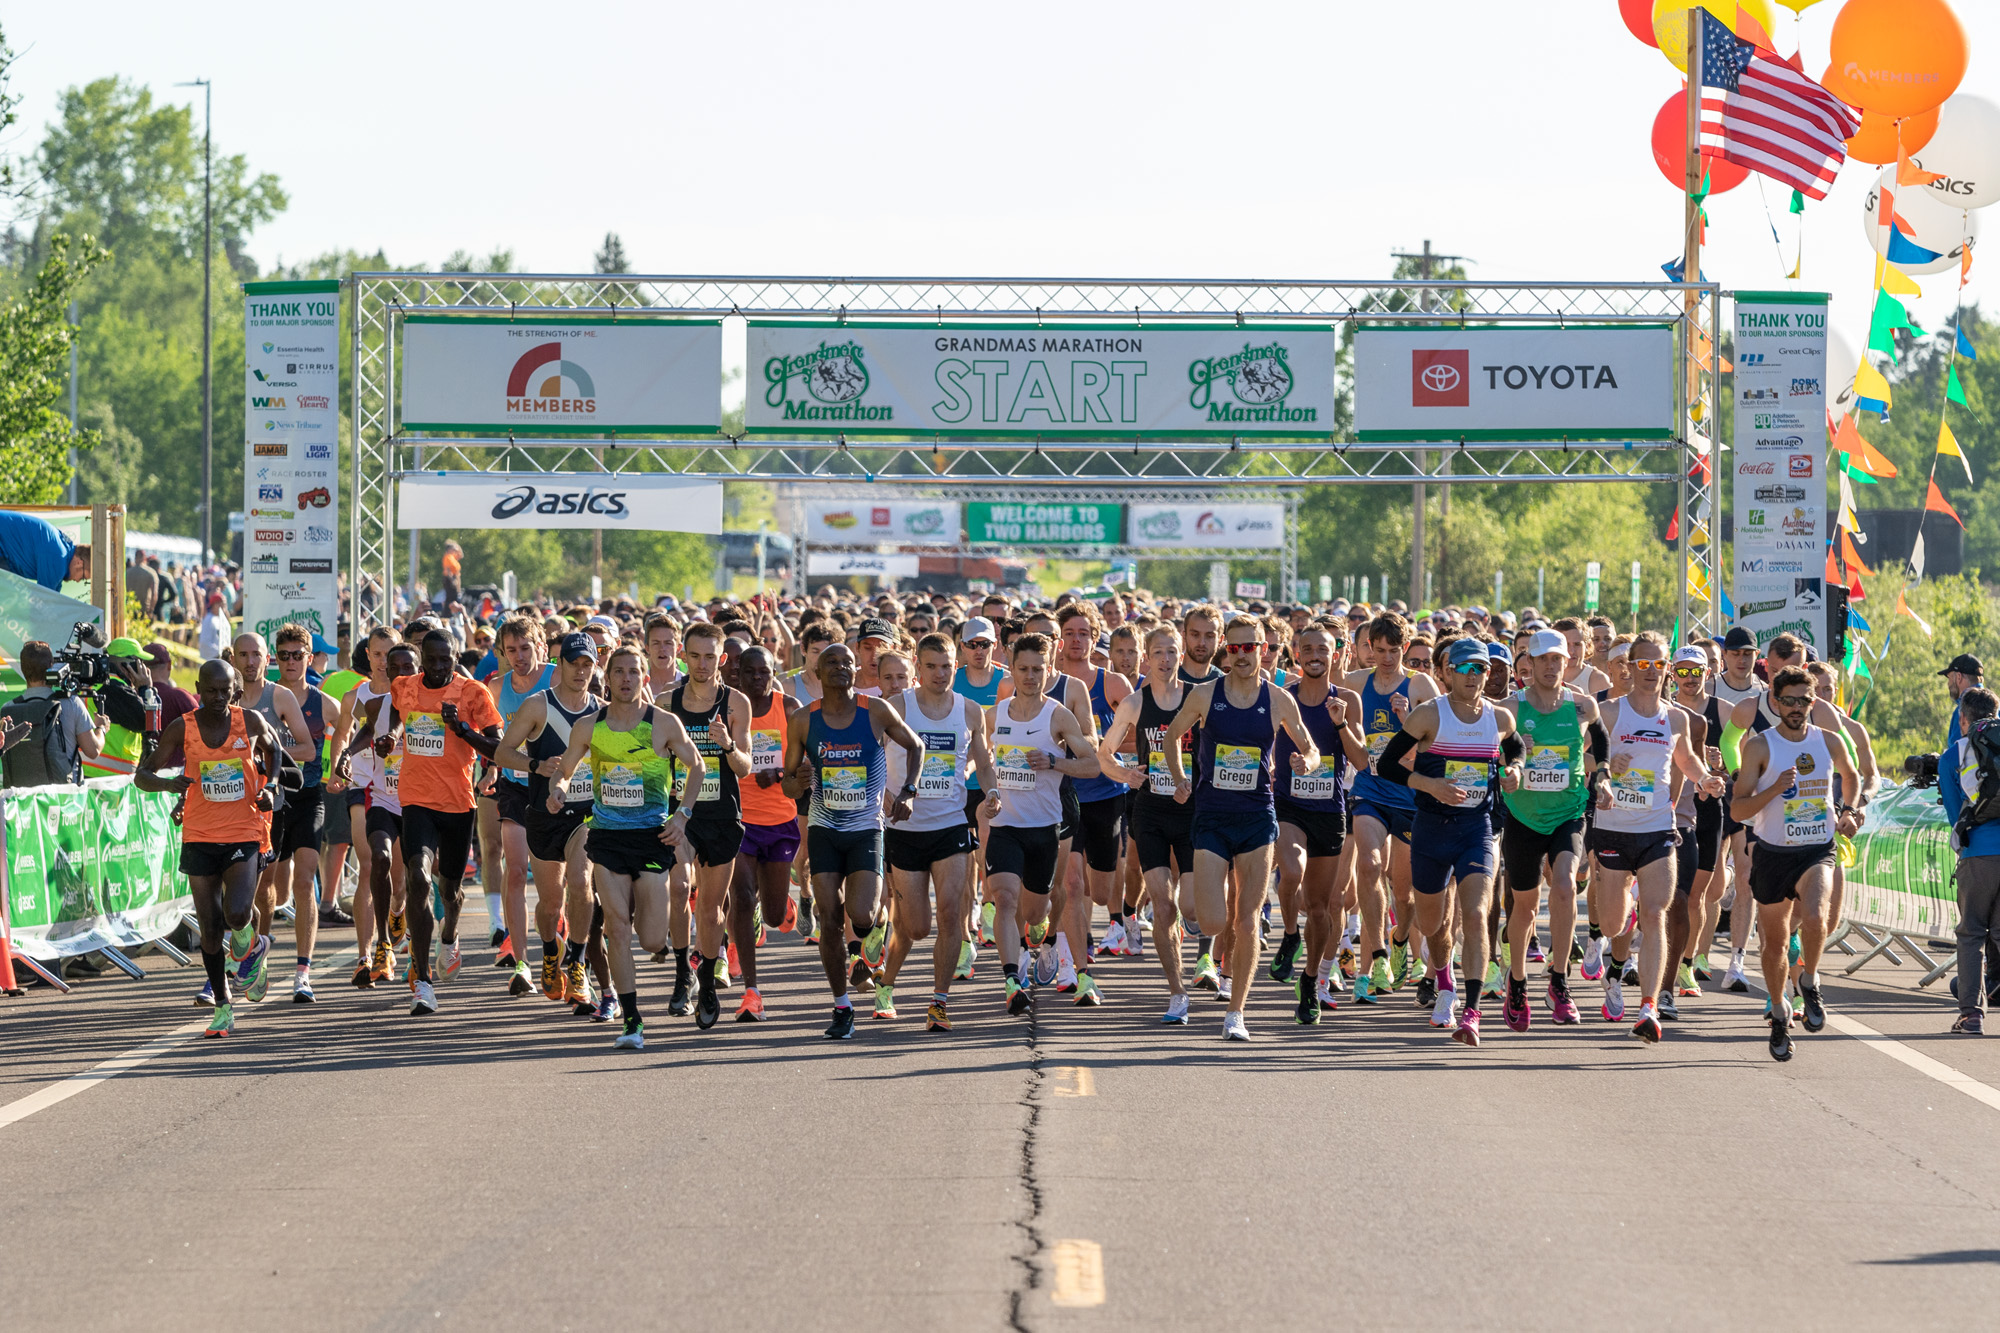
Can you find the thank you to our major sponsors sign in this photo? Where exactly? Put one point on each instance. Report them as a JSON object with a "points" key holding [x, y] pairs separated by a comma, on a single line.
{"points": [[291, 456], [1013, 380], [581, 375], [1585, 382], [1778, 570]]}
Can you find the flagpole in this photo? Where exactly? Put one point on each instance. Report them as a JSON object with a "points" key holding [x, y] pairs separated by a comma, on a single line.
{"points": [[1691, 215]]}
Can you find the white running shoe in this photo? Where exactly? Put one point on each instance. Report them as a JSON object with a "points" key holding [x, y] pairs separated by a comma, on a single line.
{"points": [[1444, 1014], [1593, 958], [1065, 976], [1177, 1011], [1234, 1028], [1614, 998], [423, 999], [1222, 989], [1113, 942], [1323, 992]]}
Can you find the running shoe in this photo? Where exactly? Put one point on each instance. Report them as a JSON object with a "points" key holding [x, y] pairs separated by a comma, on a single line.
{"points": [[1088, 996], [1968, 1025], [1323, 993], [423, 999], [1444, 1012], [988, 912], [1684, 982], [1467, 1031], [1234, 1028], [1205, 975], [707, 1007], [1647, 1029], [1048, 964], [1629, 974], [1492, 988], [842, 1026], [859, 974], [1702, 970], [633, 1038], [761, 937], [1781, 1040], [807, 924], [523, 982], [885, 1003], [1114, 940], [503, 950], [1334, 983], [750, 1009], [1427, 991], [574, 984], [382, 962], [1400, 962], [302, 989], [1347, 959], [1667, 1008], [791, 921], [726, 967], [1614, 999], [255, 970], [1135, 939], [1306, 1014], [1286, 958], [1562, 1009], [1378, 977], [1733, 980], [1536, 954], [1798, 1007], [240, 943], [1222, 989], [966, 954], [552, 976], [499, 937], [1177, 1012], [683, 998], [205, 997], [606, 1008], [399, 931], [363, 978], [1812, 1008], [1593, 959], [1515, 1013], [937, 1018], [1017, 996], [224, 1022], [450, 959], [1066, 975]]}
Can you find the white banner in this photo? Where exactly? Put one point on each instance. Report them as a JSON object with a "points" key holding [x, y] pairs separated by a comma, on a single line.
{"points": [[291, 456], [864, 522], [1779, 572], [640, 501], [1020, 380], [1208, 527], [575, 375], [850, 563], [1583, 382]]}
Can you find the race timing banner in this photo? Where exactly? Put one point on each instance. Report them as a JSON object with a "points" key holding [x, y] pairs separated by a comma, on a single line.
{"points": [[573, 375], [291, 456], [1015, 380], [1779, 570]]}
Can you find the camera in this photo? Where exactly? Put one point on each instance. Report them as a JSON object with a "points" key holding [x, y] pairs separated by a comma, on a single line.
{"points": [[81, 667], [1922, 769]]}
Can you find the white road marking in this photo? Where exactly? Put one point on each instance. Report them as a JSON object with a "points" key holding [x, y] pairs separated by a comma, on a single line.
{"points": [[1079, 1266], [1916, 1060], [1073, 1081]]}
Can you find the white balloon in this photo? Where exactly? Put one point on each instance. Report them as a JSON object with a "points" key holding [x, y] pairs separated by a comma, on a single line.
{"points": [[1933, 225], [1841, 363], [1965, 150]]}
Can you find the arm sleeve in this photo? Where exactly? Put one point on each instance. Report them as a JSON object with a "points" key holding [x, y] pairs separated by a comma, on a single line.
{"points": [[1390, 766], [1732, 746], [1600, 743], [1511, 748]]}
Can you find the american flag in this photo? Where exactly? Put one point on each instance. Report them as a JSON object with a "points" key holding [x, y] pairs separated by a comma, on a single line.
{"points": [[1769, 117]]}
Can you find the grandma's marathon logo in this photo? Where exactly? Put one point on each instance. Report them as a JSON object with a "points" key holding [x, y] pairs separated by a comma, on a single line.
{"points": [[542, 383], [924, 522], [1165, 526], [1258, 378], [518, 500], [832, 380]]}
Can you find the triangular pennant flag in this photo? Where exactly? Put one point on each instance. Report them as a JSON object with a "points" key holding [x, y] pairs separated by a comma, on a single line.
{"points": [[1861, 671], [1798, 202], [1728, 607], [1797, 265], [1948, 444], [1673, 528], [1965, 347], [1934, 501], [1889, 316], [1856, 473], [1954, 390], [1864, 456], [1908, 172], [1894, 281], [1854, 594], [1848, 555], [1869, 387], [1889, 217], [1855, 620], [1917, 557], [1903, 605], [1750, 30], [1903, 250], [1964, 261], [1832, 569]]}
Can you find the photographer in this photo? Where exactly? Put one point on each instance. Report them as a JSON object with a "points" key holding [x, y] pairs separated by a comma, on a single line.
{"points": [[130, 706], [1971, 793], [61, 734]]}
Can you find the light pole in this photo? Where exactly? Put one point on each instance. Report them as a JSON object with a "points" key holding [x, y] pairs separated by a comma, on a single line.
{"points": [[207, 316]]}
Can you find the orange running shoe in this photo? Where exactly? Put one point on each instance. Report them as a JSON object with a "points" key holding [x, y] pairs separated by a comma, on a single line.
{"points": [[751, 1008], [791, 916]]}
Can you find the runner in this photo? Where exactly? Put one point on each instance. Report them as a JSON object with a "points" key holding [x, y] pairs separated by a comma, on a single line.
{"points": [[1235, 822], [279, 707], [536, 738], [663, 648], [355, 783], [505, 860], [834, 749], [932, 848], [296, 828], [979, 680], [637, 751], [227, 753], [1700, 821], [1459, 742], [1099, 823], [1784, 788], [760, 896], [1737, 683], [718, 719], [382, 829]]}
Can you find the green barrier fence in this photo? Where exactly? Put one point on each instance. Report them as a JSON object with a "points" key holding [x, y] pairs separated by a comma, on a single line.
{"points": [[89, 867], [1901, 880]]}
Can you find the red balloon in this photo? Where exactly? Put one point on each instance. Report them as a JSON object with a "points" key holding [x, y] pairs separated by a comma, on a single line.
{"points": [[1638, 16], [1670, 151]]}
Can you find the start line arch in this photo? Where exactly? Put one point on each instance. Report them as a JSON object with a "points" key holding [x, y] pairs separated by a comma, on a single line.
{"points": [[383, 449]]}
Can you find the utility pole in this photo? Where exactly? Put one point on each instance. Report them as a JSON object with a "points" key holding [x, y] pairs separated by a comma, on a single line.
{"points": [[1426, 262], [69, 495], [207, 314]]}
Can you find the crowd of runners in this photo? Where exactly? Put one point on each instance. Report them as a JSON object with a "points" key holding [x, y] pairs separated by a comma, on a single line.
{"points": [[1361, 805]]}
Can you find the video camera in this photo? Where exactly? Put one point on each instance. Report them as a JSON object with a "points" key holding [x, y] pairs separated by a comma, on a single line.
{"points": [[82, 666], [1922, 769]]}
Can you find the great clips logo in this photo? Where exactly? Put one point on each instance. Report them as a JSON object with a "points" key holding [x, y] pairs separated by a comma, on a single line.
{"points": [[542, 383], [1440, 377]]}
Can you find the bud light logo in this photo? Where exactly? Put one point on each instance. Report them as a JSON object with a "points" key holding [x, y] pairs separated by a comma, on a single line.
{"points": [[319, 451]]}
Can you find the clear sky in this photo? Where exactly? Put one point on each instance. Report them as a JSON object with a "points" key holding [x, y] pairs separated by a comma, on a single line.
{"points": [[1166, 139]]}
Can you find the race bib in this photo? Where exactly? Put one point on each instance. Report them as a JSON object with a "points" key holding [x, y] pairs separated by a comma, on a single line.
{"points": [[1378, 741], [223, 780], [1160, 775], [711, 779], [578, 789], [423, 735], [620, 787], [843, 789], [1634, 789], [1012, 763], [392, 770], [1236, 767], [1318, 785], [1470, 774], [1548, 768], [1806, 822], [939, 775], [767, 751]]}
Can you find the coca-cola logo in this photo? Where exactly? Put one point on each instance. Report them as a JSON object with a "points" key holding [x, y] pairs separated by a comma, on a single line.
{"points": [[1763, 469]]}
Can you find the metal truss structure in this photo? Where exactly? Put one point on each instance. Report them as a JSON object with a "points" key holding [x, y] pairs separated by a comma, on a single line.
{"points": [[1232, 469]]}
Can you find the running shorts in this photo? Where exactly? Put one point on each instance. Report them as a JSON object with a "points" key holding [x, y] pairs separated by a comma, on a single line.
{"points": [[771, 842], [844, 852], [1526, 852], [448, 833], [512, 798], [918, 852], [1775, 871], [1630, 852], [1324, 829], [212, 858], [629, 851], [385, 822], [1164, 833], [1446, 847], [1029, 854], [714, 842], [549, 835], [1393, 818], [1230, 833], [1098, 829], [297, 827]]}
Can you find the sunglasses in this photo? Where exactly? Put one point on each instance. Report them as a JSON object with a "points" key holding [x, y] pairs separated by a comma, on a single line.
{"points": [[291, 655], [1690, 672], [1471, 669], [1233, 648], [1795, 701]]}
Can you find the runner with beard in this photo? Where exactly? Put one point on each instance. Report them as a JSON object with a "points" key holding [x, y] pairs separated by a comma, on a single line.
{"points": [[762, 889], [718, 719]]}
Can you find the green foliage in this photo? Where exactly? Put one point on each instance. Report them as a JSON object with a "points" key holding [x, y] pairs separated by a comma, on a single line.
{"points": [[35, 334], [1906, 706]]}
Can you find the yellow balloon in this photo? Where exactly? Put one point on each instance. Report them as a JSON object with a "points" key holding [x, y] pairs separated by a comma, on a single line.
{"points": [[1798, 6], [1670, 22]]}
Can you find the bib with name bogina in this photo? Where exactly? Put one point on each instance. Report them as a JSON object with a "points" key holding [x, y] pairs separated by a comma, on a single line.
{"points": [[1319, 785]]}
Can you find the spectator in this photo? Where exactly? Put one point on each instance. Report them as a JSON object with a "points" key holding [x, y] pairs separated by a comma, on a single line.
{"points": [[453, 561], [215, 632], [131, 707], [174, 700], [63, 736], [144, 585], [1978, 872], [36, 549]]}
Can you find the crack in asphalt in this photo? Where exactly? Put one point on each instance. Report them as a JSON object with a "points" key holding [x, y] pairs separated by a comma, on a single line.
{"points": [[1031, 1262]]}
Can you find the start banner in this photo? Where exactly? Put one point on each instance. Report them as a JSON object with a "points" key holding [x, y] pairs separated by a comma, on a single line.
{"points": [[291, 456], [1017, 380], [90, 866]]}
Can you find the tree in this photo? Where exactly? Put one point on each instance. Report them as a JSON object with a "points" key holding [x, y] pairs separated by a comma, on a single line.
{"points": [[35, 335], [611, 258]]}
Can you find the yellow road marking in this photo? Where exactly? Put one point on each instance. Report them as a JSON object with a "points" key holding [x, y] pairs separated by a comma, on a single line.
{"points": [[1073, 1081], [1079, 1268]]}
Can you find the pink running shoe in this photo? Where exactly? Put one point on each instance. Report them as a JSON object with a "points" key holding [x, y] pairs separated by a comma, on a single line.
{"points": [[1562, 1009], [1467, 1032], [1515, 1011]]}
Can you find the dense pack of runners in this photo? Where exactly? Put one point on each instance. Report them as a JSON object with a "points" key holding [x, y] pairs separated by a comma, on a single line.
{"points": [[1363, 805]]}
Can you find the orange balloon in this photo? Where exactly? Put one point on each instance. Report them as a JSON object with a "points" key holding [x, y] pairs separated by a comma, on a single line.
{"points": [[1896, 57], [1876, 140]]}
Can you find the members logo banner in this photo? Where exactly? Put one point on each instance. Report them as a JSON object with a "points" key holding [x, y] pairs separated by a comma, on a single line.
{"points": [[1779, 383], [291, 455], [1016, 380]]}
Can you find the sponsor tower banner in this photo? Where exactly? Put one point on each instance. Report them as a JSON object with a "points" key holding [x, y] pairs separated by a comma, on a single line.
{"points": [[866, 523], [1587, 382], [1779, 461], [1019, 380], [581, 375], [1044, 524], [640, 501], [291, 456], [1207, 527]]}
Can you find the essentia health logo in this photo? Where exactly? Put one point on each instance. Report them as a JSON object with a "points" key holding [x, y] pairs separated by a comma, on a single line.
{"points": [[1440, 377], [1259, 378], [543, 383], [832, 381]]}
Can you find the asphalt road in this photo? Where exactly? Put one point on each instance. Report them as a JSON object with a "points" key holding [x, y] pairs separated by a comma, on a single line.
{"points": [[498, 1165]]}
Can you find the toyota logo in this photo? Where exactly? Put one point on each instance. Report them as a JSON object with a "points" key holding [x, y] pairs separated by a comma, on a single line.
{"points": [[1440, 378]]}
